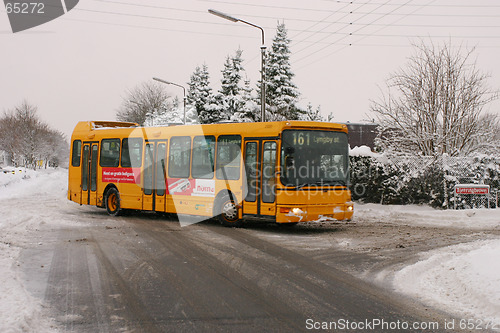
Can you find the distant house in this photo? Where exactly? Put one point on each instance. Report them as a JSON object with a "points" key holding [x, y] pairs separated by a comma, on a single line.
{"points": [[362, 134]]}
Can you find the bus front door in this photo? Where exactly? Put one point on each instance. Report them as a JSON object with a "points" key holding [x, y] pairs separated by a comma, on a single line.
{"points": [[154, 185], [89, 173], [260, 170]]}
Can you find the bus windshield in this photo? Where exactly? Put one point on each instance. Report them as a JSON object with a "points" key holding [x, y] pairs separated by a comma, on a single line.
{"points": [[314, 157]]}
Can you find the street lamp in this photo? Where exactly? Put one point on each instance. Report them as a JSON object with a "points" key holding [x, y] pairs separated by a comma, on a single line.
{"points": [[262, 59], [177, 85]]}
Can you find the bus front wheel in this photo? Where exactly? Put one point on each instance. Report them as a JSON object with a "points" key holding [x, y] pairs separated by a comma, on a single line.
{"points": [[112, 202], [227, 212]]}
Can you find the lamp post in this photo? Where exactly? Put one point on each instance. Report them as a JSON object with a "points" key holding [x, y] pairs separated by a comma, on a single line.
{"points": [[262, 59], [177, 85]]}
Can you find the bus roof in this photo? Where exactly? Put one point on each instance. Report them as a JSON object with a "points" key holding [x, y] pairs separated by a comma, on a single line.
{"points": [[106, 128]]}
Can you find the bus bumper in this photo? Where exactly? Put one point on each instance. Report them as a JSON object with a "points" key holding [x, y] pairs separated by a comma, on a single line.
{"points": [[314, 213]]}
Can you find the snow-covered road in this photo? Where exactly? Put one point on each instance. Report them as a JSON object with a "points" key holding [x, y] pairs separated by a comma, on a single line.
{"points": [[461, 279]]}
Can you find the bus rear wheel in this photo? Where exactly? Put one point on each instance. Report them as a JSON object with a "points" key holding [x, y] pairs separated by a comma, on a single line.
{"points": [[227, 212], [112, 202]]}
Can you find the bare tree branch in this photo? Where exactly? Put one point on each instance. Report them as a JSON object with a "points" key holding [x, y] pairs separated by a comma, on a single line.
{"points": [[146, 98], [434, 104]]}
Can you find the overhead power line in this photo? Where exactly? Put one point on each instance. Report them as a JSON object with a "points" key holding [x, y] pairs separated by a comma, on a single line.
{"points": [[322, 39], [345, 36], [338, 50], [416, 5]]}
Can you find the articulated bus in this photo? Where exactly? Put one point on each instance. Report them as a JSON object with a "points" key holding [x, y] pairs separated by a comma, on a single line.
{"points": [[287, 172]]}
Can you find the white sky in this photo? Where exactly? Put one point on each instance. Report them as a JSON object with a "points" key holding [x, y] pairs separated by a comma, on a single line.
{"points": [[79, 66]]}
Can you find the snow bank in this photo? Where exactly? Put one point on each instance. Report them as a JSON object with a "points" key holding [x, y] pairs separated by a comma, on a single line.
{"points": [[428, 216], [362, 151], [29, 182], [463, 279], [19, 310]]}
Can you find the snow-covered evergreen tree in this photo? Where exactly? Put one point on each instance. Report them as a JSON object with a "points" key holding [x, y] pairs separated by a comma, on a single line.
{"points": [[281, 93], [201, 98], [249, 110], [230, 84], [191, 115]]}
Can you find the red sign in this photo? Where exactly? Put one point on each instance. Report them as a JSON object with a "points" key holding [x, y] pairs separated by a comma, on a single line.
{"points": [[121, 175], [191, 187], [472, 190]]}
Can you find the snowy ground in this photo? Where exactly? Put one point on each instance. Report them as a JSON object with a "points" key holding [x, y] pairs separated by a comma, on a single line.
{"points": [[471, 219], [19, 310], [462, 279]]}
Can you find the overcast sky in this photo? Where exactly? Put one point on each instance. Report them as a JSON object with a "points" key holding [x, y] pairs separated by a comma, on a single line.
{"points": [[79, 66]]}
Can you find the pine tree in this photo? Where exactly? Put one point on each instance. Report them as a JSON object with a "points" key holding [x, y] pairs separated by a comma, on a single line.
{"points": [[201, 98], [249, 110], [230, 89], [281, 93]]}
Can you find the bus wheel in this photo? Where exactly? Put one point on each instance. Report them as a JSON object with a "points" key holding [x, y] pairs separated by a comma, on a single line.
{"points": [[112, 202], [228, 212]]}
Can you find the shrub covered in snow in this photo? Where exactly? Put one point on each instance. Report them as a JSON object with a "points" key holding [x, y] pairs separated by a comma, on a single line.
{"points": [[406, 179]]}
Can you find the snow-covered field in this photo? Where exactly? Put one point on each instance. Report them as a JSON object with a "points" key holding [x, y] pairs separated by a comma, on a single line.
{"points": [[19, 310], [461, 279]]}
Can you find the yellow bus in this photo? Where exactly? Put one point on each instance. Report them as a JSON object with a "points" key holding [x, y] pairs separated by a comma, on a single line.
{"points": [[286, 172]]}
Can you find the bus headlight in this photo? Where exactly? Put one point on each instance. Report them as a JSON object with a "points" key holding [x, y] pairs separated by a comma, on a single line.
{"points": [[297, 211], [350, 208]]}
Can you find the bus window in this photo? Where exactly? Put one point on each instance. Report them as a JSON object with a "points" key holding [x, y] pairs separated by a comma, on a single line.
{"points": [[251, 169], [110, 153], [148, 169], [77, 153], [93, 168], [203, 157], [161, 151], [268, 171], [85, 168], [179, 157], [314, 157], [228, 157], [131, 153]]}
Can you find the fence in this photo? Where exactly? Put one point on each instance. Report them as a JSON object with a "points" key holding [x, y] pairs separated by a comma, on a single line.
{"points": [[404, 179]]}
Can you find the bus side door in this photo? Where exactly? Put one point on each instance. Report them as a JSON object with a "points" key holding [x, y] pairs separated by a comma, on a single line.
{"points": [[252, 173], [260, 170], [89, 173], [154, 170], [268, 178]]}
